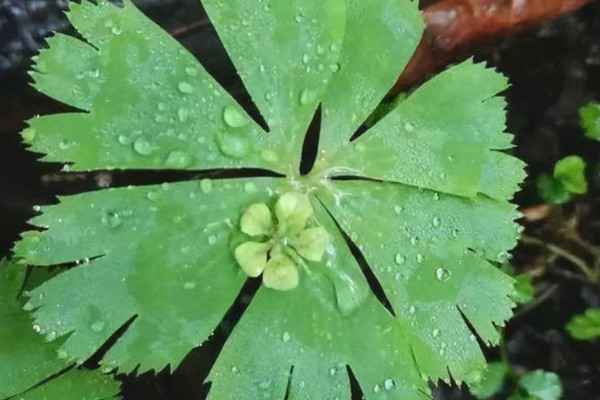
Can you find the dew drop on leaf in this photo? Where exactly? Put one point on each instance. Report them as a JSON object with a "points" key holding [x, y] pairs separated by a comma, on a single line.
{"points": [[189, 285], [269, 155], [206, 185], [442, 274], [399, 259], [185, 88], [412, 309], [191, 71], [436, 332], [98, 326], [51, 337], [143, 146], [212, 239], [233, 145], [389, 384], [286, 337], [376, 388], [112, 220], [332, 371], [183, 114], [307, 96], [234, 118], [178, 159]]}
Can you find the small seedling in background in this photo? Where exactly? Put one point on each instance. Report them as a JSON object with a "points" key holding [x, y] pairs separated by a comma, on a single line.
{"points": [[585, 326], [589, 119], [567, 180]]}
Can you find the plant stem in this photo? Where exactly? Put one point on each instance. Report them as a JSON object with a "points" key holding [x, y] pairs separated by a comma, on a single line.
{"points": [[589, 272]]}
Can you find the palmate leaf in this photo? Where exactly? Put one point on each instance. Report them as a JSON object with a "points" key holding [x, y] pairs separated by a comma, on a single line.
{"points": [[161, 259], [26, 360]]}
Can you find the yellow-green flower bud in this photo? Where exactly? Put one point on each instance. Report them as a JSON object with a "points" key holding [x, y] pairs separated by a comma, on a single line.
{"points": [[252, 257], [311, 243], [257, 220], [281, 273], [293, 210]]}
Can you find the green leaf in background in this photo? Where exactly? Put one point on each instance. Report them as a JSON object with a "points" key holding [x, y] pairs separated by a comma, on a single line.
{"points": [[585, 326], [551, 190], [160, 259], [589, 118], [492, 381], [524, 290], [542, 385], [26, 359], [570, 171]]}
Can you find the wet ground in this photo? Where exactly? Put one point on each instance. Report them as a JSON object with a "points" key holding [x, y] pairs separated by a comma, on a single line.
{"points": [[553, 69]]}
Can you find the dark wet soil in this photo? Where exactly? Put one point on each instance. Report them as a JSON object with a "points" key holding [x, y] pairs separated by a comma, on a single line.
{"points": [[553, 69]]}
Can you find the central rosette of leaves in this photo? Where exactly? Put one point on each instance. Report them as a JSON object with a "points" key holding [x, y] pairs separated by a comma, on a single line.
{"points": [[282, 243]]}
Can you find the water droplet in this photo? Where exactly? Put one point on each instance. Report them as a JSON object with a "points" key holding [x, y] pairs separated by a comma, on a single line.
{"points": [[37, 328], [398, 276], [389, 384], [409, 127], [305, 58], [95, 73], [269, 155], [419, 258], [116, 30], [28, 306], [178, 159], [414, 240], [212, 239], [436, 221], [234, 145], [189, 285], [51, 336], [412, 309], [112, 220], [399, 259], [185, 87], [436, 196], [191, 71], [472, 338], [234, 118], [235, 369], [335, 67], [28, 134], [143, 146], [332, 371], [98, 326], [307, 96], [302, 384], [442, 274], [333, 47], [183, 114], [436, 332], [376, 388], [161, 106], [63, 145], [37, 208], [286, 337], [250, 187], [124, 139], [206, 185]]}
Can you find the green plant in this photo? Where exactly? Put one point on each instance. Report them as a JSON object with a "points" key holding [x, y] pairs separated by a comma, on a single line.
{"points": [[589, 119], [26, 360], [585, 326], [424, 198], [568, 179]]}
